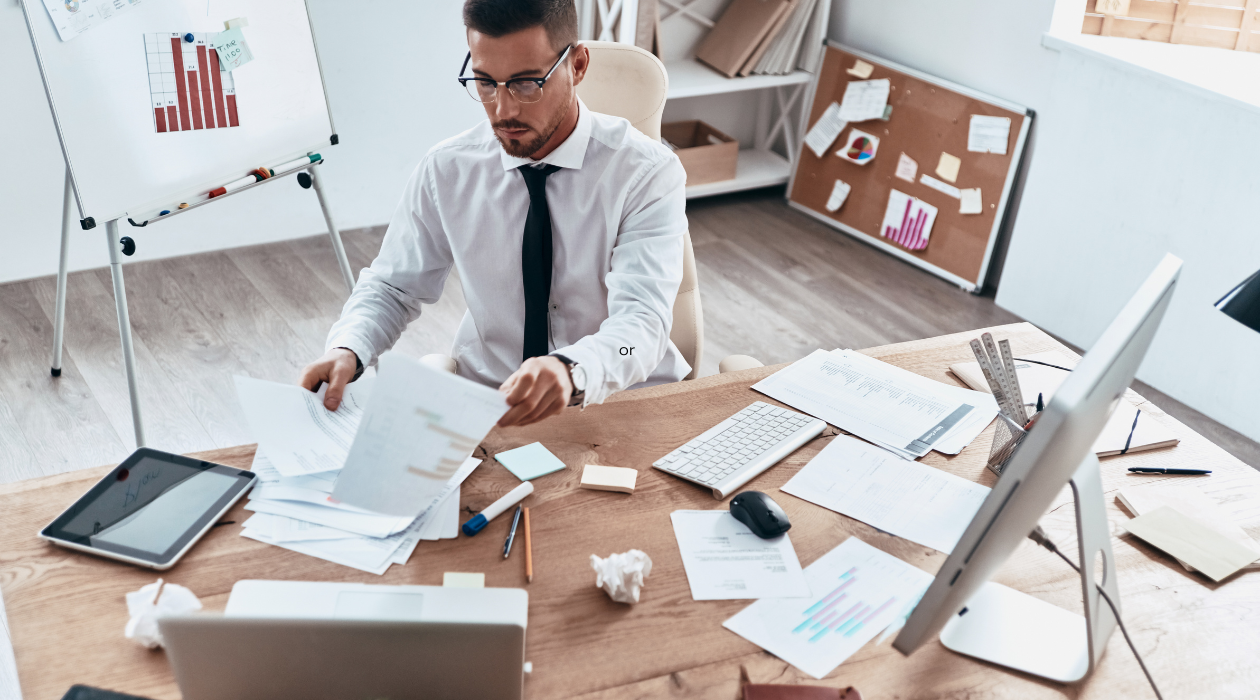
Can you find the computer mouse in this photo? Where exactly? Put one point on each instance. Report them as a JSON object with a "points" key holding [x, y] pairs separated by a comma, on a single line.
{"points": [[760, 513]]}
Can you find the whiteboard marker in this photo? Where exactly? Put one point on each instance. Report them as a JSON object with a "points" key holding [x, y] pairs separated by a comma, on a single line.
{"points": [[497, 508], [235, 185], [294, 164]]}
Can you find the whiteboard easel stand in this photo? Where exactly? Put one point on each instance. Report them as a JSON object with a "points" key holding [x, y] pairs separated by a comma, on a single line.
{"points": [[125, 246]]}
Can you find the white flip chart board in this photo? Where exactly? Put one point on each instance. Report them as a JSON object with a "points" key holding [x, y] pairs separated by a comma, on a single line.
{"points": [[105, 103]]}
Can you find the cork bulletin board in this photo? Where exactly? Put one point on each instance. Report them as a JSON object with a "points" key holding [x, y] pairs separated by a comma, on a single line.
{"points": [[929, 116]]}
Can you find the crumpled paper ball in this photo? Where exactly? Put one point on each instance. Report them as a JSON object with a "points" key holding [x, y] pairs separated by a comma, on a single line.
{"points": [[158, 599], [622, 575]]}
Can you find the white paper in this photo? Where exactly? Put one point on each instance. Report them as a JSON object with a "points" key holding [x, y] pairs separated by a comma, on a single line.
{"points": [[279, 528], [73, 17], [864, 99], [963, 432], [372, 555], [988, 134], [724, 560], [971, 202], [825, 130], [940, 186], [907, 220], [839, 193], [857, 589], [292, 426], [419, 427], [907, 499], [152, 602], [907, 168], [870, 399], [369, 525]]}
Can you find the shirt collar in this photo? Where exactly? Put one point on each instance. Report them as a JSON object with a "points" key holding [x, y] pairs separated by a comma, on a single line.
{"points": [[569, 154]]}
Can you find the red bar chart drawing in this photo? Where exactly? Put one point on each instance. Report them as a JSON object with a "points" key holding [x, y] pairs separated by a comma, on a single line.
{"points": [[907, 220], [188, 87]]}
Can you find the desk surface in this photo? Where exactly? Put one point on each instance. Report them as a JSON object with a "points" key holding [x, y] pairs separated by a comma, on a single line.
{"points": [[66, 611]]}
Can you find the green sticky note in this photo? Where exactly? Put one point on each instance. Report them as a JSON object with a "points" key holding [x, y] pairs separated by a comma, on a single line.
{"points": [[232, 50], [530, 461]]}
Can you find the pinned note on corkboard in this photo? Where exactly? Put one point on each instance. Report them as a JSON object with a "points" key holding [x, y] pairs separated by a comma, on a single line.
{"points": [[929, 128]]}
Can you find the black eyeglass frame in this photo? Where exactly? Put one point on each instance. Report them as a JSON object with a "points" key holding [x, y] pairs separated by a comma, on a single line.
{"points": [[540, 82]]}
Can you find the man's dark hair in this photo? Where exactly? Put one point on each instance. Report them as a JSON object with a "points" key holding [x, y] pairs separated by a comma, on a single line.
{"points": [[498, 18]]}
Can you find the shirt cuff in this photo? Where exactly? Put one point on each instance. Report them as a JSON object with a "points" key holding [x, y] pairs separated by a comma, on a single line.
{"points": [[593, 366], [361, 349]]}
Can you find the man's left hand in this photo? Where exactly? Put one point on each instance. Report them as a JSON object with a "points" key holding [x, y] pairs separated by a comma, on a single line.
{"points": [[539, 389]]}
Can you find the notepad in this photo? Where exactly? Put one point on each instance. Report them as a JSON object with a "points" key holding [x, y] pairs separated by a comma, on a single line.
{"points": [[1186, 498], [619, 479], [530, 461], [1192, 542], [456, 579]]}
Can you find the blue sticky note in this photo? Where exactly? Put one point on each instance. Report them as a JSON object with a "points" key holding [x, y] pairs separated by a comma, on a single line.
{"points": [[530, 461]]}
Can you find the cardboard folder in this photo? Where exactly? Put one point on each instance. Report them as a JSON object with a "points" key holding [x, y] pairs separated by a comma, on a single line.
{"points": [[738, 33]]}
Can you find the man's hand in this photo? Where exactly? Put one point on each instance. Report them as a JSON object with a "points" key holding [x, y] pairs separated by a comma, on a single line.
{"points": [[539, 389], [336, 368]]}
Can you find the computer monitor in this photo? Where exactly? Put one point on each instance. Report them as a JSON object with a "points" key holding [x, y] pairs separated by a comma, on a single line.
{"points": [[982, 619]]}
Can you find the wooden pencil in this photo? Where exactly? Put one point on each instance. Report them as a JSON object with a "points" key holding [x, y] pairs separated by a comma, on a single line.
{"points": [[529, 550]]}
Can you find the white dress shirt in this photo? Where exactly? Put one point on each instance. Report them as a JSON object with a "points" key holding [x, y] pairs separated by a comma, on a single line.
{"points": [[617, 218]]}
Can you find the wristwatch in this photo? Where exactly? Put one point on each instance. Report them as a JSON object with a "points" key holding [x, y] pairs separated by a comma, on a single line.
{"points": [[577, 374]]}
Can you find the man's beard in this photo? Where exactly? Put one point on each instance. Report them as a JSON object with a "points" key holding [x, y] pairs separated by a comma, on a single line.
{"points": [[524, 149]]}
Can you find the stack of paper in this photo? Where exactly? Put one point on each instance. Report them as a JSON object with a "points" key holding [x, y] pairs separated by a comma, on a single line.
{"points": [[898, 410], [302, 448], [785, 48]]}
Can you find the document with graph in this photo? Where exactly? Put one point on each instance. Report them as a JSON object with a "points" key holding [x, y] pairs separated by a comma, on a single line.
{"points": [[857, 589], [419, 427], [887, 405]]}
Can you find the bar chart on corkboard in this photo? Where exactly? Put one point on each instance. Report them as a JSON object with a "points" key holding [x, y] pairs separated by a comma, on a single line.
{"points": [[190, 90], [929, 182]]}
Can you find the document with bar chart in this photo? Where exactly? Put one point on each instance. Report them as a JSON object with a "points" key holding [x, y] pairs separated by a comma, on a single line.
{"points": [[189, 89], [857, 590], [907, 220]]}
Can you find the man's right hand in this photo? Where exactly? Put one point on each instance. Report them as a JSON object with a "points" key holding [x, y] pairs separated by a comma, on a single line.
{"points": [[336, 368]]}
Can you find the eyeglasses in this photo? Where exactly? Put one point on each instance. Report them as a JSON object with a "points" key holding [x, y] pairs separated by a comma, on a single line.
{"points": [[526, 90]]}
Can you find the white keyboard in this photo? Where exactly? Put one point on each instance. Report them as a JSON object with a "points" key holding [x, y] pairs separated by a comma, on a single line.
{"points": [[731, 453]]}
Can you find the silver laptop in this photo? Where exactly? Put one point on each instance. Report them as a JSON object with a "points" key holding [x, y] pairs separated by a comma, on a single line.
{"points": [[349, 641]]}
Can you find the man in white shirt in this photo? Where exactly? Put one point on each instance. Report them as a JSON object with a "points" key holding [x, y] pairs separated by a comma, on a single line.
{"points": [[566, 225]]}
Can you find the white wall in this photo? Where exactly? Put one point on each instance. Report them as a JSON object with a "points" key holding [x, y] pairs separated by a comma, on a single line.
{"points": [[1131, 166], [1111, 185], [384, 131]]}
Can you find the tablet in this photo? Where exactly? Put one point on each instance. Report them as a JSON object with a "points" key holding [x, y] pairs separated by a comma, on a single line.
{"points": [[150, 509]]}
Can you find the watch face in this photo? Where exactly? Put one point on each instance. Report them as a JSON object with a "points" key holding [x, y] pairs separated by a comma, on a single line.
{"points": [[579, 379]]}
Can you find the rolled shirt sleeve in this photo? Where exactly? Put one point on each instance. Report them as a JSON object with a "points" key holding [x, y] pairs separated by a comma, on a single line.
{"points": [[643, 282]]}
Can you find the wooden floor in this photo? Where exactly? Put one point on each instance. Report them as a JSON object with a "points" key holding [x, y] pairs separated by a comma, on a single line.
{"points": [[774, 284]]}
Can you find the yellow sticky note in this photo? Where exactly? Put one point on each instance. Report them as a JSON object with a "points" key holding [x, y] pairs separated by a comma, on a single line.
{"points": [[1192, 542], [455, 579], [618, 479], [948, 167], [861, 69]]}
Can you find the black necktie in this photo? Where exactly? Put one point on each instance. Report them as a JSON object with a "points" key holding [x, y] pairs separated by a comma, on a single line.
{"points": [[536, 260]]}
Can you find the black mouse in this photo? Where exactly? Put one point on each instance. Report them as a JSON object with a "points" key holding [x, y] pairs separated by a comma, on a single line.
{"points": [[760, 513]]}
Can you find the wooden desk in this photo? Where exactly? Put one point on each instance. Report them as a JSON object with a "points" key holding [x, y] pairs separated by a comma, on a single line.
{"points": [[66, 611]]}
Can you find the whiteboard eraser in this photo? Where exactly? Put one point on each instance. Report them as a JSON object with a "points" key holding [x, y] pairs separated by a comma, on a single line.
{"points": [[236, 23], [617, 479], [455, 579]]}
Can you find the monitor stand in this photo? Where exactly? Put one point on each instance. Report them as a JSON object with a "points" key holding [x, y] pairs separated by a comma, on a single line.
{"points": [[1016, 630]]}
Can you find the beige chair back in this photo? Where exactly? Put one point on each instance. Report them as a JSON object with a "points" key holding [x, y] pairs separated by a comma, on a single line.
{"points": [[626, 81]]}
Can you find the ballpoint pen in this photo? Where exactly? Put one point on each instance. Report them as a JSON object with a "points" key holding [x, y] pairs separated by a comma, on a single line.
{"points": [[1166, 470], [507, 545]]}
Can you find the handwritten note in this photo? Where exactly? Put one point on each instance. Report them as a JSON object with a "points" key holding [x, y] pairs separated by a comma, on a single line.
{"points": [[988, 134], [906, 168], [864, 99], [232, 49], [825, 130]]}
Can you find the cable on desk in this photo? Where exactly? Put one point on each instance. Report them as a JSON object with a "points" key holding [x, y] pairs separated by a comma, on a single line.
{"points": [[1039, 362], [1040, 537]]}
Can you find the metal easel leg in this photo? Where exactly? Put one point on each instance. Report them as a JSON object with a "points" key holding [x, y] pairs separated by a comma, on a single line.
{"points": [[124, 326], [333, 233], [59, 314]]}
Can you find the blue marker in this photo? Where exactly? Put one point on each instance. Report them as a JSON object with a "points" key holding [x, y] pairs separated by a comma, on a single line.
{"points": [[497, 508], [165, 212]]}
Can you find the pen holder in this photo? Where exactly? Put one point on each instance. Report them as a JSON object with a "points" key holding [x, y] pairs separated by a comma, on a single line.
{"points": [[1005, 439]]}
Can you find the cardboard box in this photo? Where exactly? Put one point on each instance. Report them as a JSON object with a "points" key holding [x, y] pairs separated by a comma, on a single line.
{"points": [[707, 154]]}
